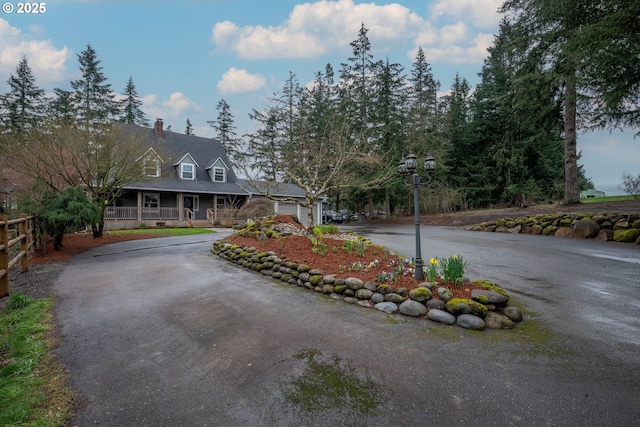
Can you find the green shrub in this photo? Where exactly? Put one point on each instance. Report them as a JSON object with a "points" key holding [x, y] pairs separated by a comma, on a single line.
{"points": [[326, 228]]}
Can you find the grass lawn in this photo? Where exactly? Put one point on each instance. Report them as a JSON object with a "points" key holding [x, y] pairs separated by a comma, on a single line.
{"points": [[607, 199], [32, 389], [168, 232]]}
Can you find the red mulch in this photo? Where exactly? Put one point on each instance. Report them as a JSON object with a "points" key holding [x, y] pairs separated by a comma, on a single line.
{"points": [[73, 244], [299, 249]]}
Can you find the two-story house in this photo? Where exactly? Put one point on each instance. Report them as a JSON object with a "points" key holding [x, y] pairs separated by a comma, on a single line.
{"points": [[188, 180]]}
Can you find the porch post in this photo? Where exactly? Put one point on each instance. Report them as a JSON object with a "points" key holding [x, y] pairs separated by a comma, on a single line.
{"points": [[180, 207], [215, 207], [139, 204]]}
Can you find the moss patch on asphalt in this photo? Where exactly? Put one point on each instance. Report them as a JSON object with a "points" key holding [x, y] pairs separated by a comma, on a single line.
{"points": [[329, 384]]}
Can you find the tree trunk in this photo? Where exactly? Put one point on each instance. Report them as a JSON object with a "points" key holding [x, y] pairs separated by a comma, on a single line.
{"points": [[96, 228], [387, 203], [570, 144]]}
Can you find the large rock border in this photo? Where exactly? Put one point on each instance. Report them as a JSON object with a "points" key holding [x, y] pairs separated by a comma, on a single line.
{"points": [[486, 309], [618, 227]]}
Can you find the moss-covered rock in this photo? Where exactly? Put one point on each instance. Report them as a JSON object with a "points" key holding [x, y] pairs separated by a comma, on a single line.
{"points": [[492, 287], [626, 236], [315, 280], [420, 294], [466, 306]]}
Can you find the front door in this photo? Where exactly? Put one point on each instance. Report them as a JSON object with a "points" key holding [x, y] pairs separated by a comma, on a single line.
{"points": [[190, 203]]}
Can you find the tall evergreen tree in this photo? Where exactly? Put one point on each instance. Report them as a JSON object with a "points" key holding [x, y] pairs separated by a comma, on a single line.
{"points": [[321, 100], [356, 81], [608, 50], [24, 104], [550, 29], [264, 145], [93, 98], [131, 105], [517, 137], [226, 130], [423, 95], [189, 129], [388, 121], [458, 156], [61, 108], [356, 97]]}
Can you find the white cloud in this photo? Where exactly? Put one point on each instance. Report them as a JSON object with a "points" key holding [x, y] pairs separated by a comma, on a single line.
{"points": [[178, 104], [240, 81], [451, 48], [313, 29], [479, 13], [46, 61], [171, 110], [448, 35]]}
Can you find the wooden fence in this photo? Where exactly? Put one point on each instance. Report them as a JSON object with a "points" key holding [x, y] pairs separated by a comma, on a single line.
{"points": [[12, 232]]}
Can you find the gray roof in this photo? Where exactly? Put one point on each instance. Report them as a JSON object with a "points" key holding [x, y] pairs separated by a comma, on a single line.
{"points": [[173, 147], [279, 189]]}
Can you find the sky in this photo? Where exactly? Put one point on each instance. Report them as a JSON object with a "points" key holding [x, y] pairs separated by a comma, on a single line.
{"points": [[186, 56]]}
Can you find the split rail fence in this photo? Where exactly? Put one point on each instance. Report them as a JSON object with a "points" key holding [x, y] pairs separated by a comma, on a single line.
{"points": [[14, 232]]}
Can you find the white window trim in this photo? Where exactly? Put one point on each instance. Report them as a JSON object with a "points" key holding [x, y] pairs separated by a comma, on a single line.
{"points": [[193, 171], [224, 174]]}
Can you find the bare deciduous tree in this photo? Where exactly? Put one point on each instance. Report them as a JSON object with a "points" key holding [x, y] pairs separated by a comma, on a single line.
{"points": [[102, 160], [631, 184], [320, 163]]}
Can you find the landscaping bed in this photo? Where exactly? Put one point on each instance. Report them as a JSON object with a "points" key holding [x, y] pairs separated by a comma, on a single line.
{"points": [[352, 269]]}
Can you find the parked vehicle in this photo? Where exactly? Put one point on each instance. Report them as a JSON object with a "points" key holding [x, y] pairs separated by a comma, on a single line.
{"points": [[358, 216], [330, 216]]}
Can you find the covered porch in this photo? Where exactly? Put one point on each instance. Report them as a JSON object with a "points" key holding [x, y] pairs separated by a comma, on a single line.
{"points": [[140, 209]]}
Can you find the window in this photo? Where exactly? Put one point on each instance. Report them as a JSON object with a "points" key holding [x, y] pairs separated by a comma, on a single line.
{"points": [[218, 174], [151, 200], [151, 167], [187, 171]]}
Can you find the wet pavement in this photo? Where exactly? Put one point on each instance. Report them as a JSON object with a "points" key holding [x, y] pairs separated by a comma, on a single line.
{"points": [[163, 333]]}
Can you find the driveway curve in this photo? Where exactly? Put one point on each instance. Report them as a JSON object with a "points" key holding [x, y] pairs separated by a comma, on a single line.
{"points": [[162, 333]]}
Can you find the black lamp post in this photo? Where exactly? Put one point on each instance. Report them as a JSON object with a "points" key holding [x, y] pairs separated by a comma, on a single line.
{"points": [[409, 165]]}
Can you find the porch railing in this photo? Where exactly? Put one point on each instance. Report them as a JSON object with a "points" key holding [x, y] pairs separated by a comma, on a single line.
{"points": [[222, 213], [134, 213], [115, 213]]}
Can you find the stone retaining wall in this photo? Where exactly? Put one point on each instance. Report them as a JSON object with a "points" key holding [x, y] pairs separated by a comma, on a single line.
{"points": [[487, 308], [607, 226]]}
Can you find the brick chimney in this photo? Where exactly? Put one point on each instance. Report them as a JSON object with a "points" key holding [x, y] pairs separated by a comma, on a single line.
{"points": [[157, 128]]}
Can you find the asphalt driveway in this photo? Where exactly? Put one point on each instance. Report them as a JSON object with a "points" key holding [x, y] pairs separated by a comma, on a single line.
{"points": [[163, 333]]}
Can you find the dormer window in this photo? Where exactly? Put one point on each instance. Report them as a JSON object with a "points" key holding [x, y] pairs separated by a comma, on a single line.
{"points": [[217, 170], [151, 163], [151, 167], [218, 174], [187, 171]]}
